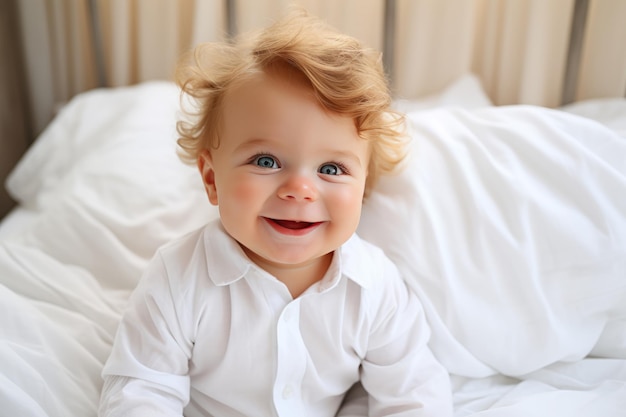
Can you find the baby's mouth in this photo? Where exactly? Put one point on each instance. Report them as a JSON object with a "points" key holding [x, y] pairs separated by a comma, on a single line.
{"points": [[292, 224], [292, 227]]}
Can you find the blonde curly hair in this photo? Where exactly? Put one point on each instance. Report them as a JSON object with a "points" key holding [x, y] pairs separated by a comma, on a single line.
{"points": [[346, 78]]}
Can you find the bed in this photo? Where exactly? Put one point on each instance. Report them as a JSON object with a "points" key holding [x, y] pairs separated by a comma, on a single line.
{"points": [[508, 221]]}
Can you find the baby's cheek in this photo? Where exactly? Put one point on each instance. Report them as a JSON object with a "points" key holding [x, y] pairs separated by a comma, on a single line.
{"points": [[246, 192], [349, 203]]}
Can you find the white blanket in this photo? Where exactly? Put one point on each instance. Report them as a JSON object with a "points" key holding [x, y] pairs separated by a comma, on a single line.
{"points": [[509, 222]]}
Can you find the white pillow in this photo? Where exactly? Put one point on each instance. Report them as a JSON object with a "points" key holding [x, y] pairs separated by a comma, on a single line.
{"points": [[466, 92], [511, 224], [611, 112], [83, 129], [107, 184]]}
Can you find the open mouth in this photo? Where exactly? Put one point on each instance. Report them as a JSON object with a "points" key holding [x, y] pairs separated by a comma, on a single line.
{"points": [[292, 225]]}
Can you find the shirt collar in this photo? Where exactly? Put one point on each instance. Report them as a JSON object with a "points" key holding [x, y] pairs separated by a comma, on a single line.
{"points": [[228, 263], [356, 260]]}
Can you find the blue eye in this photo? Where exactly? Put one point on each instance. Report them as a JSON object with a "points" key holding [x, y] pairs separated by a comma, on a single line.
{"points": [[265, 161], [331, 169]]}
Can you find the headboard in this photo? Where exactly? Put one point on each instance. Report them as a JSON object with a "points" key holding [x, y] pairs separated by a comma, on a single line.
{"points": [[389, 28], [573, 57]]}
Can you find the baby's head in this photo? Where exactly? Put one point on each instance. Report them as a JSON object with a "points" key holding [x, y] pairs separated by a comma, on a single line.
{"points": [[346, 79], [292, 128]]}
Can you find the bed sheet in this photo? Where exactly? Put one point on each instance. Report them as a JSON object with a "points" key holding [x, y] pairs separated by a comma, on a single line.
{"points": [[509, 222]]}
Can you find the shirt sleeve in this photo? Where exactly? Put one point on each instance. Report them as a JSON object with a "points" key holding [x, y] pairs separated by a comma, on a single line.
{"points": [[146, 373], [132, 397], [399, 372]]}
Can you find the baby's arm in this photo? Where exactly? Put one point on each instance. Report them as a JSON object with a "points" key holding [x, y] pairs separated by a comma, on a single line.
{"points": [[399, 372], [146, 374]]}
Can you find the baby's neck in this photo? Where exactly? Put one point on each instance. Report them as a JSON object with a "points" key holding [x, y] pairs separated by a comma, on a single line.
{"points": [[297, 278], [300, 279]]}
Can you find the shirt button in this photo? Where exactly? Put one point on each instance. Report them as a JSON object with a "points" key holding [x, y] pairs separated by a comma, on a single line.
{"points": [[287, 392]]}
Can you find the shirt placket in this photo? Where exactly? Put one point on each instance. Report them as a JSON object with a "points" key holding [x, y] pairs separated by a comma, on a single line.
{"points": [[291, 362]]}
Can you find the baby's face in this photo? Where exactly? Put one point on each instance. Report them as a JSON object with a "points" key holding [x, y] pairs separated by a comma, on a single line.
{"points": [[288, 176]]}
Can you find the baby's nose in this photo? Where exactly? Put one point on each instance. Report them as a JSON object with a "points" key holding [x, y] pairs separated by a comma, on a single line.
{"points": [[298, 188]]}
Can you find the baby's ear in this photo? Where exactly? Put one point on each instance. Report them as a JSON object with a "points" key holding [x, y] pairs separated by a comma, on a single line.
{"points": [[205, 166]]}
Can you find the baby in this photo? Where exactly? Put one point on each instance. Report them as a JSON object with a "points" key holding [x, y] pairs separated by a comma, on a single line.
{"points": [[278, 308]]}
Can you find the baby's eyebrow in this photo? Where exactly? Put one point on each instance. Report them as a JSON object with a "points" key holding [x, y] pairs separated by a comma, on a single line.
{"points": [[253, 143], [345, 155]]}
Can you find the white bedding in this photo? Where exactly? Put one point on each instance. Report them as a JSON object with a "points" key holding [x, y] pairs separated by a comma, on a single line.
{"points": [[510, 222]]}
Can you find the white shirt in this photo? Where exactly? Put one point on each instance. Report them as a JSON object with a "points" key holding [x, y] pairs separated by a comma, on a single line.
{"points": [[209, 333]]}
